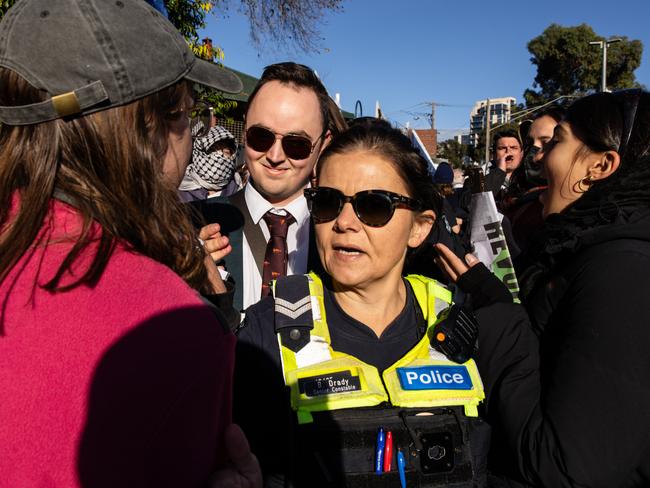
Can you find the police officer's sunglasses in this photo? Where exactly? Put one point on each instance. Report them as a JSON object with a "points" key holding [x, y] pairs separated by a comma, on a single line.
{"points": [[374, 208], [294, 146]]}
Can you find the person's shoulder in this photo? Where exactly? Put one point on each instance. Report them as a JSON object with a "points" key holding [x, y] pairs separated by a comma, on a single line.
{"points": [[259, 321], [609, 277], [613, 258], [133, 281], [256, 337], [620, 248]]}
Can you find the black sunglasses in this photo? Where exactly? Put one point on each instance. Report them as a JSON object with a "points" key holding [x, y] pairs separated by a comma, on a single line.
{"points": [[374, 208], [294, 146]]}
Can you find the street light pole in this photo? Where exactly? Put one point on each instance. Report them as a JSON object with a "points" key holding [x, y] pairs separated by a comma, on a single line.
{"points": [[488, 119], [603, 45]]}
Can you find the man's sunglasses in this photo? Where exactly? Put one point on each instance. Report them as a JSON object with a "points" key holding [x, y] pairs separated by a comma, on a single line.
{"points": [[374, 208], [261, 139]]}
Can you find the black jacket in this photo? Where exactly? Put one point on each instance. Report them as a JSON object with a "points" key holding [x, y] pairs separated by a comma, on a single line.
{"points": [[568, 396]]}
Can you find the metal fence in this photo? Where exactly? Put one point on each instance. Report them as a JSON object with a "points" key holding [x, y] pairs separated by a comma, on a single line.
{"points": [[236, 128]]}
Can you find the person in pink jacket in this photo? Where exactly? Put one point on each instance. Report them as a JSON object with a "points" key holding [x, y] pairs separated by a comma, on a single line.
{"points": [[113, 370]]}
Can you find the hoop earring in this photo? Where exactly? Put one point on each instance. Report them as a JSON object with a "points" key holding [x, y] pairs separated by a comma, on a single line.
{"points": [[586, 181]]}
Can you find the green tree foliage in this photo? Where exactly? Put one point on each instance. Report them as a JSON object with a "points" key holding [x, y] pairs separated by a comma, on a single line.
{"points": [[4, 6], [567, 63], [453, 151], [189, 16]]}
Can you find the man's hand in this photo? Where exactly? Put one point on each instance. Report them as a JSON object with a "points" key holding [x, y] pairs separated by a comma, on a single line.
{"points": [[501, 162], [244, 470]]}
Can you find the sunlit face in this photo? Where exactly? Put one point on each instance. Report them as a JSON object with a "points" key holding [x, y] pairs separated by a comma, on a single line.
{"points": [[540, 133], [284, 109], [355, 255], [179, 143], [563, 170], [509, 148]]}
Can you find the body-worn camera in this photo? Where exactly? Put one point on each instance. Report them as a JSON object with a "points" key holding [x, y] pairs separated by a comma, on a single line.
{"points": [[455, 335], [339, 448]]}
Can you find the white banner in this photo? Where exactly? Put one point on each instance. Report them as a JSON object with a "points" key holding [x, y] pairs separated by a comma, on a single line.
{"points": [[489, 242]]}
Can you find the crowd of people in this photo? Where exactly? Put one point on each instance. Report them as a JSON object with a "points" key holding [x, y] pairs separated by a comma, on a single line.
{"points": [[303, 309]]}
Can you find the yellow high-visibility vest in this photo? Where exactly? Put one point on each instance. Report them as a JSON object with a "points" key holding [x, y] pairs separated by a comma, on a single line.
{"points": [[321, 378]]}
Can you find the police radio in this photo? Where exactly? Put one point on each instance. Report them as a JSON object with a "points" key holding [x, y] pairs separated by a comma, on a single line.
{"points": [[455, 335]]}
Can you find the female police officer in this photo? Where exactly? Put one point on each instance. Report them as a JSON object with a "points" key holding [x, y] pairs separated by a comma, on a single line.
{"points": [[348, 351]]}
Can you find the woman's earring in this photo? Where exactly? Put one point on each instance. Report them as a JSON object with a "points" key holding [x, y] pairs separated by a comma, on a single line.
{"points": [[583, 184]]}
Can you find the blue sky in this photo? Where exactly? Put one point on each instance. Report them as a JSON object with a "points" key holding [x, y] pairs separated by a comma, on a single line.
{"points": [[453, 52]]}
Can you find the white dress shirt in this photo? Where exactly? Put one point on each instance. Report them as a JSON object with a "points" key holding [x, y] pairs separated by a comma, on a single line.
{"points": [[297, 240]]}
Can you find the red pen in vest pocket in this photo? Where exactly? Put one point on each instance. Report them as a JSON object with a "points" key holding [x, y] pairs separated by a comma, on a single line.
{"points": [[388, 451]]}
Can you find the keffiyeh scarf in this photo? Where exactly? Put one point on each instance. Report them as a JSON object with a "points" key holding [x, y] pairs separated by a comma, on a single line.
{"points": [[209, 169]]}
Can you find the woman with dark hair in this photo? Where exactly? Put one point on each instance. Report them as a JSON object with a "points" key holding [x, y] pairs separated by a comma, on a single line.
{"points": [[113, 371], [522, 204], [535, 134], [318, 364], [568, 395]]}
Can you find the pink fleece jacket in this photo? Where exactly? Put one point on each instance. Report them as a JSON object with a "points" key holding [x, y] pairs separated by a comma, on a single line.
{"points": [[124, 384]]}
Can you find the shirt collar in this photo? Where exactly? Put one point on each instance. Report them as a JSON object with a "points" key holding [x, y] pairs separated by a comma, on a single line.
{"points": [[258, 206]]}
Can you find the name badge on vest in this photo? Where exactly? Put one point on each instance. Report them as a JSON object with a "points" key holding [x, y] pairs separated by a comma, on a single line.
{"points": [[327, 384], [435, 377]]}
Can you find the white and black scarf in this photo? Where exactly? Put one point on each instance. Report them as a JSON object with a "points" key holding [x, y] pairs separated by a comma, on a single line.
{"points": [[208, 168]]}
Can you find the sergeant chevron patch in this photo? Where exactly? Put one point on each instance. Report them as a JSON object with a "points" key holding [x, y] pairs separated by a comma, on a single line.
{"points": [[293, 309]]}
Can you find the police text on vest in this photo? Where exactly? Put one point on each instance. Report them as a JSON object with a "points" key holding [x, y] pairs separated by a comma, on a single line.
{"points": [[435, 377]]}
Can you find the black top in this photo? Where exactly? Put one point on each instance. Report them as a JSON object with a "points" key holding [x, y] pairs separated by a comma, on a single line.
{"points": [[569, 397], [352, 337]]}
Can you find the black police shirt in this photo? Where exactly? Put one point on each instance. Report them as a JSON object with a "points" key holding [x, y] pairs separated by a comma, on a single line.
{"points": [[356, 339]]}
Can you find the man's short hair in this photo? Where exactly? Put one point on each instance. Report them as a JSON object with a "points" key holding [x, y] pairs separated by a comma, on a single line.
{"points": [[298, 75], [501, 135]]}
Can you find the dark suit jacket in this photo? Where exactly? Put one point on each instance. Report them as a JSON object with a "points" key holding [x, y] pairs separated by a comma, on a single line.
{"points": [[228, 212]]}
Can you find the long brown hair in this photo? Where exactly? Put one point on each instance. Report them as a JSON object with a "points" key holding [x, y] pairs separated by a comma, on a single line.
{"points": [[109, 166]]}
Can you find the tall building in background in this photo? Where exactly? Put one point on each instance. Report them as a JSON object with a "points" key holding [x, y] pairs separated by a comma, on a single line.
{"points": [[463, 139], [499, 114]]}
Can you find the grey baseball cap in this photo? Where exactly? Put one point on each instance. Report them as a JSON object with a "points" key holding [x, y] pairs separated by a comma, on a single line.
{"points": [[90, 55]]}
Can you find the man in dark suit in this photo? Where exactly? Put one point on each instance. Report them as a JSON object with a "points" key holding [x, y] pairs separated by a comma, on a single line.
{"points": [[267, 222]]}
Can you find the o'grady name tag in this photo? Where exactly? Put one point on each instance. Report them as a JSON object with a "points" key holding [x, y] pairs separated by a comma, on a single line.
{"points": [[439, 377], [327, 384]]}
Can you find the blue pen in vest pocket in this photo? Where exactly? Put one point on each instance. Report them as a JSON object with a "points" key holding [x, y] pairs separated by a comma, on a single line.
{"points": [[379, 457]]}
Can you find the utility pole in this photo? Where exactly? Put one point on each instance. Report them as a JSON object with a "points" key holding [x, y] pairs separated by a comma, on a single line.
{"points": [[603, 45], [487, 133], [433, 115]]}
